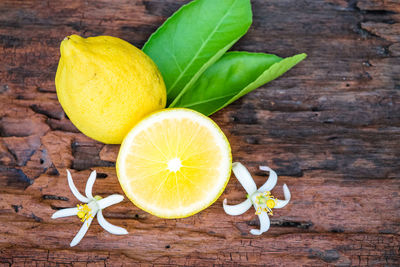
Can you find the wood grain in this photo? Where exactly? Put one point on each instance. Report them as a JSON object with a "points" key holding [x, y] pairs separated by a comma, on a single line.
{"points": [[330, 128]]}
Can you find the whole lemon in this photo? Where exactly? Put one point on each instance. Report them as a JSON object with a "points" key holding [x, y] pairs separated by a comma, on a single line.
{"points": [[106, 85]]}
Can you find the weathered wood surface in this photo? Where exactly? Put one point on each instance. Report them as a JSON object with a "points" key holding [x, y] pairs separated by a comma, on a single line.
{"points": [[330, 127]]}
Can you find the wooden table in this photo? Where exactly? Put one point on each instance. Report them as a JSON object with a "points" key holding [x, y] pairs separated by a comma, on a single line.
{"points": [[330, 128]]}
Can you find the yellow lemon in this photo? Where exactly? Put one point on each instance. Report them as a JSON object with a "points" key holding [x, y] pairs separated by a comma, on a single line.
{"points": [[174, 163], [106, 85]]}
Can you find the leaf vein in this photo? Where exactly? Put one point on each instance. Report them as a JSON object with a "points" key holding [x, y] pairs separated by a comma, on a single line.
{"points": [[201, 48]]}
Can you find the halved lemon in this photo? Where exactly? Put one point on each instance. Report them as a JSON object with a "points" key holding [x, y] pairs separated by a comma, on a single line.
{"points": [[174, 163]]}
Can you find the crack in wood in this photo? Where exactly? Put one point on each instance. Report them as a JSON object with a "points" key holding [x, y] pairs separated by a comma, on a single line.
{"points": [[283, 223], [36, 218], [16, 208], [53, 197]]}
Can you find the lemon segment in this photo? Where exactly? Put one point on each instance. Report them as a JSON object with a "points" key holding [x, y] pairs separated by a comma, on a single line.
{"points": [[174, 163]]}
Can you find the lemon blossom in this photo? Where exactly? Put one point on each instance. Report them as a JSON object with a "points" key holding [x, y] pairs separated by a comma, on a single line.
{"points": [[93, 206], [261, 199]]}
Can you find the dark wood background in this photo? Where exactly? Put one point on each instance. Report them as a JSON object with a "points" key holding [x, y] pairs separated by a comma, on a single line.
{"points": [[330, 127]]}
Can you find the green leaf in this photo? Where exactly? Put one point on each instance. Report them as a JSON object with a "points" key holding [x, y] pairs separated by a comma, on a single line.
{"points": [[231, 77], [192, 39]]}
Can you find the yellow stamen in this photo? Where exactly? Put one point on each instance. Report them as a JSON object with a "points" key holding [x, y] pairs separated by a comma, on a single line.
{"points": [[84, 212], [258, 211], [265, 202], [271, 203], [267, 193]]}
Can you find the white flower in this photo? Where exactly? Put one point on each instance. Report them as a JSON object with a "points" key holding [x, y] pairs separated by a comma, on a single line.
{"points": [[261, 199], [87, 212]]}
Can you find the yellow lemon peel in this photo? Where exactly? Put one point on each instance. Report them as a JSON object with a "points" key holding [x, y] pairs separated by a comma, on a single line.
{"points": [[106, 85]]}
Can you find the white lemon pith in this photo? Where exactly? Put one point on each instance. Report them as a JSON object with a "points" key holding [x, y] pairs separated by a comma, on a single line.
{"points": [[106, 85], [174, 163]]}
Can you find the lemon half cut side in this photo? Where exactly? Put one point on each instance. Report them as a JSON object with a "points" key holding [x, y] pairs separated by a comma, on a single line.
{"points": [[174, 163]]}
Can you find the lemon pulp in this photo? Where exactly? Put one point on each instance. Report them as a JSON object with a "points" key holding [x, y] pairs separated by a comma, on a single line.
{"points": [[174, 163]]}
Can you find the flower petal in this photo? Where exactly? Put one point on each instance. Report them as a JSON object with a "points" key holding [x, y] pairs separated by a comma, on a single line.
{"points": [[64, 213], [110, 200], [116, 230], [74, 190], [82, 232], [264, 224], [89, 185], [237, 209], [283, 203], [244, 177], [272, 179]]}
